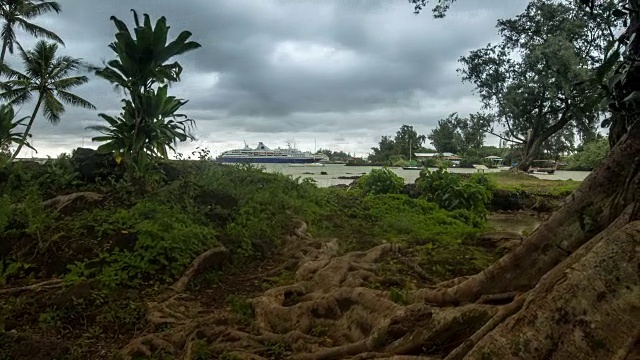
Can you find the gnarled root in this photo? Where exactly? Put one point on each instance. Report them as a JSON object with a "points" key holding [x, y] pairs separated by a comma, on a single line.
{"points": [[45, 285], [210, 258]]}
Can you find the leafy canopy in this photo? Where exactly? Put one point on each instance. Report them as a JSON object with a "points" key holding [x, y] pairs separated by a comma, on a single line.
{"points": [[17, 13], [540, 78]]}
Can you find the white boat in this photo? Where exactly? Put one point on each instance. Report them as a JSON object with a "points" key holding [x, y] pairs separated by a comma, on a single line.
{"points": [[263, 154], [307, 165]]}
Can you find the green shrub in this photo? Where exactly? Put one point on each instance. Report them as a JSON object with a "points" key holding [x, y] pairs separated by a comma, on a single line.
{"points": [[381, 181], [451, 193], [166, 243]]}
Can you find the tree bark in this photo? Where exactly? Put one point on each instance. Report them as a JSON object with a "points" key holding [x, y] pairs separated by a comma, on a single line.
{"points": [[4, 52], [533, 145], [602, 197], [28, 129]]}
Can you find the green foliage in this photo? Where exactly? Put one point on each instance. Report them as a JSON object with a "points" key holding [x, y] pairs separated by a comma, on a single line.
{"points": [[148, 125], [381, 181], [548, 88], [200, 350], [451, 193], [406, 140], [17, 13], [49, 75], [278, 351], [591, 155], [8, 125], [165, 244], [361, 223], [240, 306], [517, 182], [160, 131], [399, 296], [11, 269]]}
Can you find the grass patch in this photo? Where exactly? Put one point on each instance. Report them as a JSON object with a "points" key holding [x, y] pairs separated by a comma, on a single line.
{"points": [[513, 182]]}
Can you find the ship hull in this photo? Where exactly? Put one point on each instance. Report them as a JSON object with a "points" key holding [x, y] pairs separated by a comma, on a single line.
{"points": [[266, 160]]}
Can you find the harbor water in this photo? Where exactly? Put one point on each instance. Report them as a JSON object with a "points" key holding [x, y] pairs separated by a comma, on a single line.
{"points": [[334, 171]]}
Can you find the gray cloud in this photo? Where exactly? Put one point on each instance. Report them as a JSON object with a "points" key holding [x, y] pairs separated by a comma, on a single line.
{"points": [[343, 72]]}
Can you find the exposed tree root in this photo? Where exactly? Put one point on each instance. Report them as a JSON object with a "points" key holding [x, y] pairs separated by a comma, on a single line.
{"points": [[503, 314], [585, 307], [415, 268], [45, 285], [210, 258], [63, 201]]}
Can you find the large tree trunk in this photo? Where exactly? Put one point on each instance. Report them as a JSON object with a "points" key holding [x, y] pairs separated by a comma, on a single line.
{"points": [[601, 198]]}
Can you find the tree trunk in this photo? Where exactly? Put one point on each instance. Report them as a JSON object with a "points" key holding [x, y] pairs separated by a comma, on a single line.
{"points": [[28, 129], [4, 52], [529, 153], [601, 198]]}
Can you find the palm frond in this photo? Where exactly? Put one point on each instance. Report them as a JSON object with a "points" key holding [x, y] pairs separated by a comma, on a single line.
{"points": [[69, 83], [38, 31], [52, 108], [37, 9], [74, 100]]}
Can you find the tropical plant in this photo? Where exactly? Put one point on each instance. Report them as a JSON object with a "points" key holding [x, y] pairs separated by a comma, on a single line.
{"points": [[17, 13], [159, 132], [381, 181], [148, 125], [591, 155], [450, 192], [8, 125], [142, 61], [49, 76]]}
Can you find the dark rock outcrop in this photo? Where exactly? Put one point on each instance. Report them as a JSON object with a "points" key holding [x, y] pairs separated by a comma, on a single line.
{"points": [[91, 165]]}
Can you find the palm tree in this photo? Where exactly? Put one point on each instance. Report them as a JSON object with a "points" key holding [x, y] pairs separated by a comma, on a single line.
{"points": [[49, 76], [8, 125], [17, 13]]}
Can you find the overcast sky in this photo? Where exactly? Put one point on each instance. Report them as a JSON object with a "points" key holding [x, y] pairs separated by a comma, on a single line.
{"points": [[340, 72]]}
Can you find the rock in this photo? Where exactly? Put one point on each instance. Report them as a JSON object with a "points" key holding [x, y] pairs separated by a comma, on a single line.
{"points": [[323, 173], [90, 165]]}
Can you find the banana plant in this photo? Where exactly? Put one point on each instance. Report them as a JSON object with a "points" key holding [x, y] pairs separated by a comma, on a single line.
{"points": [[143, 60], [148, 125], [8, 127]]}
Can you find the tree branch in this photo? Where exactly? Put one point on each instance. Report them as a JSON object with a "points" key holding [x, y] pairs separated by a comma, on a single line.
{"points": [[505, 139]]}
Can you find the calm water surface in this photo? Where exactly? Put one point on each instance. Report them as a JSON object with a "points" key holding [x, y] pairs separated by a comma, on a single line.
{"points": [[335, 170]]}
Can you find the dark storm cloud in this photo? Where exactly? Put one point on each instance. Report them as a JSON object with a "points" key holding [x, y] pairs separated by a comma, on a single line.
{"points": [[274, 66]]}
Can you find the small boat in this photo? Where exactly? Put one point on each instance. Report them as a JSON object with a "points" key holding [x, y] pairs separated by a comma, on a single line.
{"points": [[307, 165], [545, 167]]}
